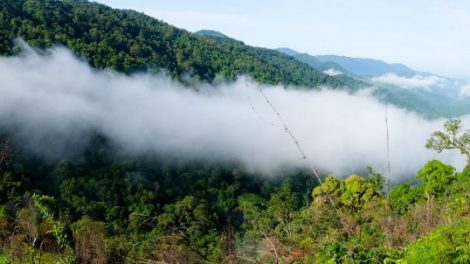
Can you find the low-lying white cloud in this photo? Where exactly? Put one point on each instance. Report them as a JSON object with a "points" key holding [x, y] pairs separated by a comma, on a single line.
{"points": [[332, 72], [60, 95], [417, 81]]}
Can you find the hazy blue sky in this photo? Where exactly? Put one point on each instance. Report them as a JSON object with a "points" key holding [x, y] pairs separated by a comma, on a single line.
{"points": [[431, 35]]}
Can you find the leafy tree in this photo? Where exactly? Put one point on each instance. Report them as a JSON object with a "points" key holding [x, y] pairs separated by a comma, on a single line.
{"points": [[445, 244], [454, 137], [252, 206], [90, 244], [281, 210], [403, 197], [436, 177], [352, 193], [342, 251]]}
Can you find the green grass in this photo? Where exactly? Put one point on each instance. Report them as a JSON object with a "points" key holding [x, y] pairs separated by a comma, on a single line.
{"points": [[3, 259]]}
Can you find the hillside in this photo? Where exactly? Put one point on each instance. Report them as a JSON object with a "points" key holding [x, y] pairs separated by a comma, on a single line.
{"points": [[128, 41], [105, 168], [429, 103], [441, 99], [103, 207], [313, 61], [360, 67], [367, 67], [211, 33]]}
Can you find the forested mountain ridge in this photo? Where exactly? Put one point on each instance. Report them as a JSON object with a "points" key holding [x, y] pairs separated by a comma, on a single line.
{"points": [[361, 67], [313, 61], [211, 33], [128, 41], [367, 67], [441, 99], [101, 204]]}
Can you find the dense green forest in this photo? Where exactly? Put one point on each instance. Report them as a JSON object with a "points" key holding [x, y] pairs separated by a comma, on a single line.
{"points": [[103, 205], [128, 41]]}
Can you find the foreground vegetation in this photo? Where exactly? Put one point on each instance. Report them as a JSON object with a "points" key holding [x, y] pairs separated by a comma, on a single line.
{"points": [[102, 206]]}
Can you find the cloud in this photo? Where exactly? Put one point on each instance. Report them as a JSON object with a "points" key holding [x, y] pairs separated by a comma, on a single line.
{"points": [[417, 81], [61, 98], [332, 72], [465, 90]]}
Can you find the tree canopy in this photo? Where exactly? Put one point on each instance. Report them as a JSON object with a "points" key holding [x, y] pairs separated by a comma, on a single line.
{"points": [[105, 206], [128, 41], [454, 137]]}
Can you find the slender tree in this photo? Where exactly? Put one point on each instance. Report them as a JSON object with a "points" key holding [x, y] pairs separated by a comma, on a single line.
{"points": [[454, 137]]}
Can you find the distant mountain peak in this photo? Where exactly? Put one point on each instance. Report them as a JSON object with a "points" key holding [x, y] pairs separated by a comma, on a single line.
{"points": [[359, 67], [211, 33], [288, 51], [367, 67], [330, 68]]}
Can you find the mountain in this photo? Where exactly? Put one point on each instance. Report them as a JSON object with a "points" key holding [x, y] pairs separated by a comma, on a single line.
{"points": [[428, 94], [211, 33], [323, 66], [367, 67], [128, 41], [288, 51], [97, 203], [430, 103], [361, 67]]}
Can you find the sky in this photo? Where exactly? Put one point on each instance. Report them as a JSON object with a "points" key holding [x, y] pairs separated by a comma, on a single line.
{"points": [[427, 35]]}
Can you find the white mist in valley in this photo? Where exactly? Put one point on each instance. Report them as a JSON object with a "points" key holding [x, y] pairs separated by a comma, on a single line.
{"points": [[61, 96]]}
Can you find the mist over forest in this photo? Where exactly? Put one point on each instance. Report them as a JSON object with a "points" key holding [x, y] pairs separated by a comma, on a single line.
{"points": [[125, 139], [55, 101]]}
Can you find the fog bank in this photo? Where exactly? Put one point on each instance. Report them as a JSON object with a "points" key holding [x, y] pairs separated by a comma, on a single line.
{"points": [[60, 96]]}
